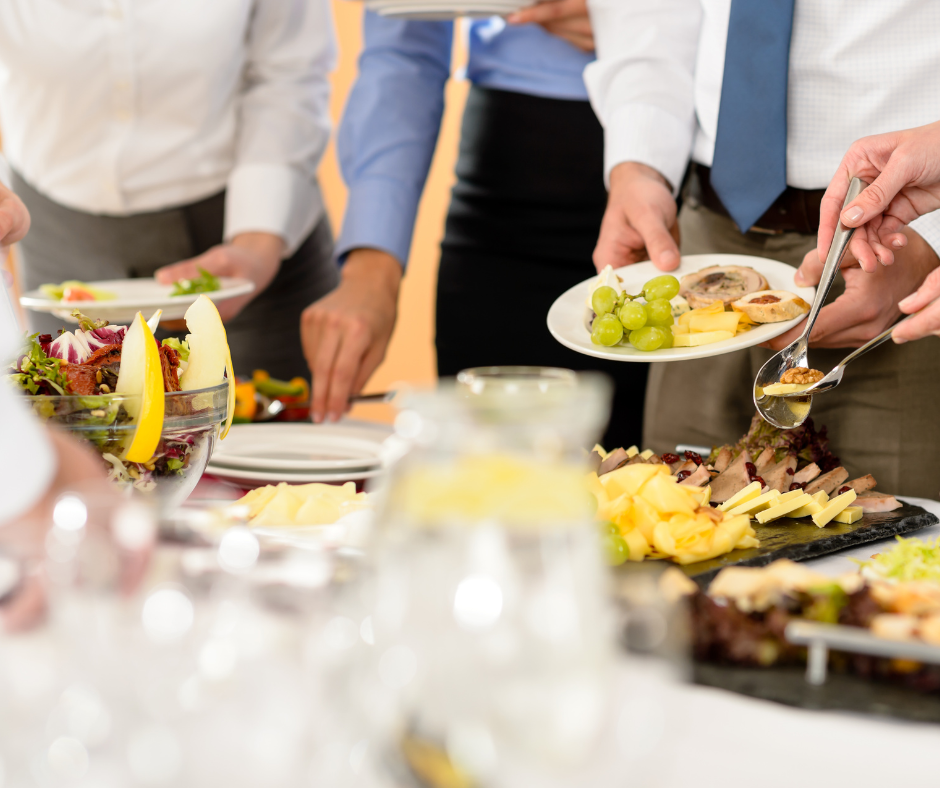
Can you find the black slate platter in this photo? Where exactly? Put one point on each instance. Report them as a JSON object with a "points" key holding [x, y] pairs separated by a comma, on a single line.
{"points": [[840, 692], [800, 540]]}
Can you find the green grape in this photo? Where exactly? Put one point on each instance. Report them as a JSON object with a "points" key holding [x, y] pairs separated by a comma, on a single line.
{"points": [[603, 300], [609, 528], [669, 339], [607, 330], [615, 550], [633, 315], [660, 313], [648, 338], [665, 286]]}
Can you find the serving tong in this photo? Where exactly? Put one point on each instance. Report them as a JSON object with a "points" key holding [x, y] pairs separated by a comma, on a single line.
{"points": [[789, 412]]}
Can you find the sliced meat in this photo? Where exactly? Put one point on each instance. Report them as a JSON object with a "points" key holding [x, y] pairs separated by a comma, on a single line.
{"points": [[594, 461], [779, 477], [828, 481], [723, 460], [685, 465], [613, 461], [654, 459], [699, 478], [862, 484], [80, 379], [807, 474], [732, 480], [170, 362], [725, 283], [764, 460], [106, 356], [877, 502]]}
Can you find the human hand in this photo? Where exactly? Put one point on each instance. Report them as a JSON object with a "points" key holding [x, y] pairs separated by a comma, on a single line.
{"points": [[14, 220], [869, 304], [346, 333], [640, 220], [904, 170], [567, 19], [926, 301], [254, 256]]}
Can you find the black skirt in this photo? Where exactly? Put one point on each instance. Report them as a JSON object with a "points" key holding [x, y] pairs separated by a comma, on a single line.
{"points": [[523, 221]]}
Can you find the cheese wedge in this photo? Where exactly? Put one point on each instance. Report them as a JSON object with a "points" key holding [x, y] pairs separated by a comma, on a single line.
{"points": [[831, 509], [789, 496], [646, 454], [756, 505], [849, 515], [632, 452], [819, 500], [705, 338], [782, 509], [749, 493]]}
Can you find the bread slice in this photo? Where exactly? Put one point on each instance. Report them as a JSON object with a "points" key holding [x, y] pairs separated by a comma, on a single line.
{"points": [[771, 306]]}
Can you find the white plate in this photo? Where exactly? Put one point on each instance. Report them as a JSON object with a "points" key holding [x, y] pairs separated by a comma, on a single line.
{"points": [[569, 317], [255, 477], [345, 446], [133, 295]]}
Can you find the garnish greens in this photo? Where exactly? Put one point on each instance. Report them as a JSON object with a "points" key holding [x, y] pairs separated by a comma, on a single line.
{"points": [[204, 283], [37, 370], [85, 323], [180, 346], [909, 559]]}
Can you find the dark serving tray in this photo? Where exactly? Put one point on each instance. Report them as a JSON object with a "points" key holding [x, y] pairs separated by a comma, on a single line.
{"points": [[841, 692], [800, 540]]}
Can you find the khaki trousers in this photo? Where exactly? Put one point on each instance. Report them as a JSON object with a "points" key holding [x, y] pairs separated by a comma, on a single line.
{"points": [[883, 419]]}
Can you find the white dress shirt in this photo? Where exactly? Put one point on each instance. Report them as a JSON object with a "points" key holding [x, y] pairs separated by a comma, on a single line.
{"points": [[120, 107], [855, 69]]}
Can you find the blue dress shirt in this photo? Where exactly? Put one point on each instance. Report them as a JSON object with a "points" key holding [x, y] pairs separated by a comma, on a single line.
{"points": [[393, 115]]}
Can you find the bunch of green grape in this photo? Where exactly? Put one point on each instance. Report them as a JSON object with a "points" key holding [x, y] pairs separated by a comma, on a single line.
{"points": [[643, 325]]}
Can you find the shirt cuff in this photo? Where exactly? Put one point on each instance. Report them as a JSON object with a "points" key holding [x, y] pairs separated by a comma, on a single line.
{"points": [[651, 136], [28, 463], [380, 214], [272, 198], [928, 228]]}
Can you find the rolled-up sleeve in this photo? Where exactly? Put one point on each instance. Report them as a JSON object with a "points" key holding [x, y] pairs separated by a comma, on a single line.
{"points": [[389, 131], [642, 84], [284, 121]]}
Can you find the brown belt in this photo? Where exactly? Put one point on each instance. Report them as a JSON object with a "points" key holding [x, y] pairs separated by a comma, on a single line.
{"points": [[794, 211]]}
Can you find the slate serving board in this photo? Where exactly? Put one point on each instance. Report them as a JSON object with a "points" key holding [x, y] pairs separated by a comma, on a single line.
{"points": [[840, 692], [800, 540]]}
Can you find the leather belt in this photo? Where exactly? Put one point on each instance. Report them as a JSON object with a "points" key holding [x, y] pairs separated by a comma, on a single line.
{"points": [[794, 211]]}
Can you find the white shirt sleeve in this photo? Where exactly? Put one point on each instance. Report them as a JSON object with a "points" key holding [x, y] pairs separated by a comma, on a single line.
{"points": [[27, 460], [283, 121], [642, 84], [928, 227]]}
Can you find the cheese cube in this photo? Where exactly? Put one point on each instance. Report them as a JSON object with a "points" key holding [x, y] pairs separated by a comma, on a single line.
{"points": [[832, 508], [646, 454], [632, 452], [819, 500], [756, 505], [705, 338], [849, 515], [781, 509], [747, 494]]}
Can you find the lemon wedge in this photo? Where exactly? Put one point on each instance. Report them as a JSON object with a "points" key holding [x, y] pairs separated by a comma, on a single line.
{"points": [[210, 358], [141, 376]]}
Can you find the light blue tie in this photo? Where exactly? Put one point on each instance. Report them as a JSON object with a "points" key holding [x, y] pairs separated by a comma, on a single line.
{"points": [[749, 170]]}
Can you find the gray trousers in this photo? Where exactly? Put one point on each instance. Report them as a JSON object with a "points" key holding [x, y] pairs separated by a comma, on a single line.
{"points": [[67, 244], [883, 418]]}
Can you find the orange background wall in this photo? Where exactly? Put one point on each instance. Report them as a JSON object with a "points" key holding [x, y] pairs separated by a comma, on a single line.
{"points": [[410, 356]]}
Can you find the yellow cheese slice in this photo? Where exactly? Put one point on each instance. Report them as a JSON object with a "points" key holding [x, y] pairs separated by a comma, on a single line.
{"points": [[776, 389], [781, 509], [646, 454], [725, 321], [849, 515], [831, 509], [791, 494], [705, 338], [756, 505], [749, 493], [632, 452], [819, 500]]}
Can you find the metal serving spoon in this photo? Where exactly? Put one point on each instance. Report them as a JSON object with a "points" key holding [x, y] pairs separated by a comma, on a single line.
{"points": [[789, 412]]}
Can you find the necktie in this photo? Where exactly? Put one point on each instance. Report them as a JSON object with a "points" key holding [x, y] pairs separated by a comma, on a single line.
{"points": [[749, 170]]}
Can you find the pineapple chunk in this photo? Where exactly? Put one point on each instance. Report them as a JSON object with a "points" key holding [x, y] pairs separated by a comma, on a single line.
{"points": [[831, 509], [749, 493], [849, 515], [784, 508]]}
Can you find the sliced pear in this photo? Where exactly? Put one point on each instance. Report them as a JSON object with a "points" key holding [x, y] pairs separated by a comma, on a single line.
{"points": [[209, 356], [141, 376], [155, 320]]}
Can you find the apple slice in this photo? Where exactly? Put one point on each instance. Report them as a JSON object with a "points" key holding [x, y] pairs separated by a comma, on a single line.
{"points": [[209, 356], [141, 376]]}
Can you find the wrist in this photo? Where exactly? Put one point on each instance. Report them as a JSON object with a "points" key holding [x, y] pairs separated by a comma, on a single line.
{"points": [[373, 266], [630, 171], [267, 245]]}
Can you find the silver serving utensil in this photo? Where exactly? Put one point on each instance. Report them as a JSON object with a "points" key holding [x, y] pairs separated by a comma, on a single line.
{"points": [[834, 378], [789, 412], [274, 407]]}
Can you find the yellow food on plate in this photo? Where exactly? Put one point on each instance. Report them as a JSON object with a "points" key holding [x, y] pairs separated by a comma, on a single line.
{"points": [[659, 518], [812, 507], [749, 493], [783, 508], [708, 324], [302, 504], [849, 515], [832, 508]]}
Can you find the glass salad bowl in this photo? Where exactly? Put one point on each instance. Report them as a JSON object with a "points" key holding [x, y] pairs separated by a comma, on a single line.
{"points": [[191, 424]]}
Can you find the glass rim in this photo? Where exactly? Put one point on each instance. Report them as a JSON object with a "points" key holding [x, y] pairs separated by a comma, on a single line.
{"points": [[118, 396]]}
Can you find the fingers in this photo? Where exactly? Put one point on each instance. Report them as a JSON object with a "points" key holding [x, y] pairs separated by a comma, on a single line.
{"points": [[321, 343], [618, 244], [876, 198], [354, 343], [658, 240], [14, 218], [924, 324], [547, 12], [215, 261], [928, 291], [810, 271]]}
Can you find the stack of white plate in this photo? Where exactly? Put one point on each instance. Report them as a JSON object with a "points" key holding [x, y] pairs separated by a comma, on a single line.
{"points": [[444, 9], [300, 453]]}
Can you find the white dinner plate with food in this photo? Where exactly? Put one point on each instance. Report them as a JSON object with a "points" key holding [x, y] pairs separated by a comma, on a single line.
{"points": [[249, 477], [569, 319], [302, 446], [131, 296]]}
